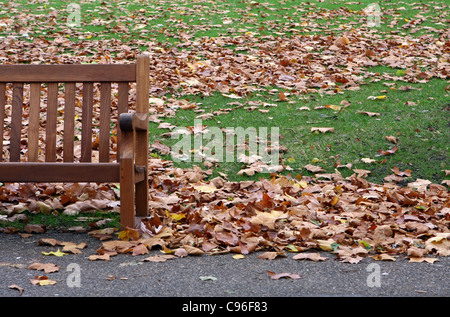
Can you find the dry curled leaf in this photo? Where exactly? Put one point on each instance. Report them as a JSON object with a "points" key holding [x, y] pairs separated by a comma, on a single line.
{"points": [[322, 130], [313, 256], [47, 267], [17, 287], [388, 152], [277, 276]]}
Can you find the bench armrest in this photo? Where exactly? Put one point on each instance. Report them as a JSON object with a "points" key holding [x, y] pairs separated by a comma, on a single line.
{"points": [[133, 121]]}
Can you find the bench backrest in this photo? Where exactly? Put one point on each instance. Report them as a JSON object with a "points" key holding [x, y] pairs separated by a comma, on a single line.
{"points": [[53, 80]]}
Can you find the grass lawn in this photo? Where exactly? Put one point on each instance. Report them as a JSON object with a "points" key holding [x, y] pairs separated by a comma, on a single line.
{"points": [[243, 55]]}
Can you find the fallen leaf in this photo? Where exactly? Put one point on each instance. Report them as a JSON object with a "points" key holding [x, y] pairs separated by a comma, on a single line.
{"points": [[388, 152], [95, 257], [32, 228], [282, 96], [270, 255], [47, 267], [57, 253], [334, 107], [397, 171], [440, 243], [376, 97], [383, 257], [155, 258], [49, 241], [309, 256], [367, 160], [370, 114], [140, 249], [322, 130], [326, 245], [192, 250], [204, 188], [208, 278], [419, 185], [422, 259], [129, 234], [277, 276], [17, 287], [391, 138], [42, 281], [313, 168]]}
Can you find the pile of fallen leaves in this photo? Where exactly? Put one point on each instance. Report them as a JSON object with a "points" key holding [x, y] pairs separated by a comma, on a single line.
{"points": [[349, 217]]}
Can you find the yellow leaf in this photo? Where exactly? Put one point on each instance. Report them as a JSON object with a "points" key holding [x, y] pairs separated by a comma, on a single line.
{"points": [[205, 188], [291, 160], [376, 97], [334, 107], [334, 201], [47, 282], [326, 244], [57, 253], [42, 281], [238, 256], [166, 250], [301, 184], [367, 160], [176, 217], [129, 234]]}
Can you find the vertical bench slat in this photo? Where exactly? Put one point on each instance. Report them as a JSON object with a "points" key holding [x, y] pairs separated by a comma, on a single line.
{"points": [[105, 121], [69, 122], [122, 107], [16, 122], [86, 122], [2, 116], [33, 123], [50, 128]]}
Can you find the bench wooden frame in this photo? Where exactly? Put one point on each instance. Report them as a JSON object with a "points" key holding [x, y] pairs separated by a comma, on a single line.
{"points": [[131, 166]]}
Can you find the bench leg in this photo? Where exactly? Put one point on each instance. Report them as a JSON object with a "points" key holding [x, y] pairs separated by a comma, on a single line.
{"points": [[141, 197], [142, 187], [127, 194]]}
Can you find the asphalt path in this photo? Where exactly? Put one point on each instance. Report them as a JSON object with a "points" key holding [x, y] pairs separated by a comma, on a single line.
{"points": [[208, 276]]}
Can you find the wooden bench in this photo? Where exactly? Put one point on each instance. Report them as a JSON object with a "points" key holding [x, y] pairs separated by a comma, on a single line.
{"points": [[30, 161]]}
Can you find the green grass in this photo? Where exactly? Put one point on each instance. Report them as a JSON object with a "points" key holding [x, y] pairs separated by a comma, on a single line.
{"points": [[422, 130], [61, 221], [170, 22]]}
